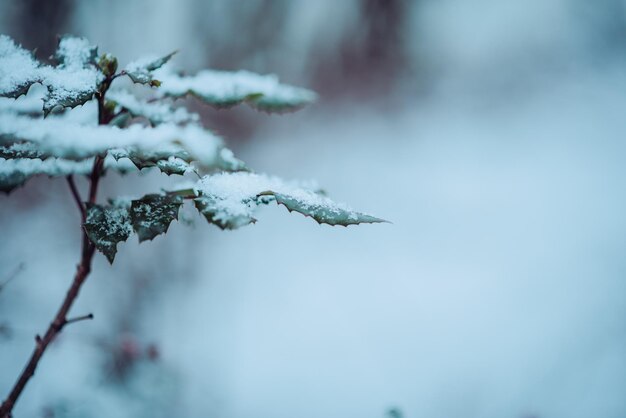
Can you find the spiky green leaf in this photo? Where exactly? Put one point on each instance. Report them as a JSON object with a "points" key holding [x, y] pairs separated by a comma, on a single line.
{"points": [[229, 200], [22, 149], [141, 71], [152, 214], [18, 69], [320, 211], [75, 80], [15, 172], [224, 89], [212, 209], [155, 111], [106, 226]]}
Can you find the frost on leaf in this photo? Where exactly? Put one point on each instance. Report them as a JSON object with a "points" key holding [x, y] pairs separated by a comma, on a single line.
{"points": [[229, 200], [225, 89], [106, 226], [140, 71], [152, 214]]}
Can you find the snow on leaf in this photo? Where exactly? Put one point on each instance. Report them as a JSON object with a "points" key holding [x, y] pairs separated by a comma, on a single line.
{"points": [[15, 172], [152, 214], [75, 53], [169, 161], [21, 150], [224, 89], [320, 208], [174, 165], [58, 137], [156, 112], [76, 78], [29, 103], [230, 199], [70, 84], [18, 69], [140, 71], [213, 209], [106, 226]]}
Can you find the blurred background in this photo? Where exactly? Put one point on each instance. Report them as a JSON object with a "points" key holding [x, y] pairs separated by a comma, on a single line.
{"points": [[492, 133]]}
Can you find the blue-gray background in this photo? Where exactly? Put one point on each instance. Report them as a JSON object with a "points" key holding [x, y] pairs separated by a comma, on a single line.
{"points": [[492, 133]]}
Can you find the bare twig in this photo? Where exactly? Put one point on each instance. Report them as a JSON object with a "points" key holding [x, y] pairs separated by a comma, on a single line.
{"points": [[79, 318]]}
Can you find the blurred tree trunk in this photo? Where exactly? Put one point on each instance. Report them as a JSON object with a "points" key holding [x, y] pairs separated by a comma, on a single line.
{"points": [[36, 23], [371, 59]]}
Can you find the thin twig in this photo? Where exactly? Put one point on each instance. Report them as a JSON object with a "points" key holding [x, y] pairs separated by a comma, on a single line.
{"points": [[12, 276], [79, 318], [77, 198]]}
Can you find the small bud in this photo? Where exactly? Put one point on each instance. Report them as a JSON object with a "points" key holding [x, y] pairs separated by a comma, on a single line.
{"points": [[109, 106], [107, 64]]}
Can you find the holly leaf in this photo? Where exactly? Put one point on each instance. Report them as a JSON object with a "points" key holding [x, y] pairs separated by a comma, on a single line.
{"points": [[18, 69], [75, 80], [211, 207], [106, 226], [22, 149], [152, 214], [321, 210], [229, 200], [75, 52], [140, 71], [225, 89], [59, 97], [156, 112], [15, 172]]}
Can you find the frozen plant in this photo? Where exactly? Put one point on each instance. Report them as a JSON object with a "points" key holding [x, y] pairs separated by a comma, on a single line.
{"points": [[126, 133]]}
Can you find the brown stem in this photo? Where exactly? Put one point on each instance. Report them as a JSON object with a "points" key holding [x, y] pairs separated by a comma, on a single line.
{"points": [[78, 318], [82, 271], [55, 327], [77, 198]]}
